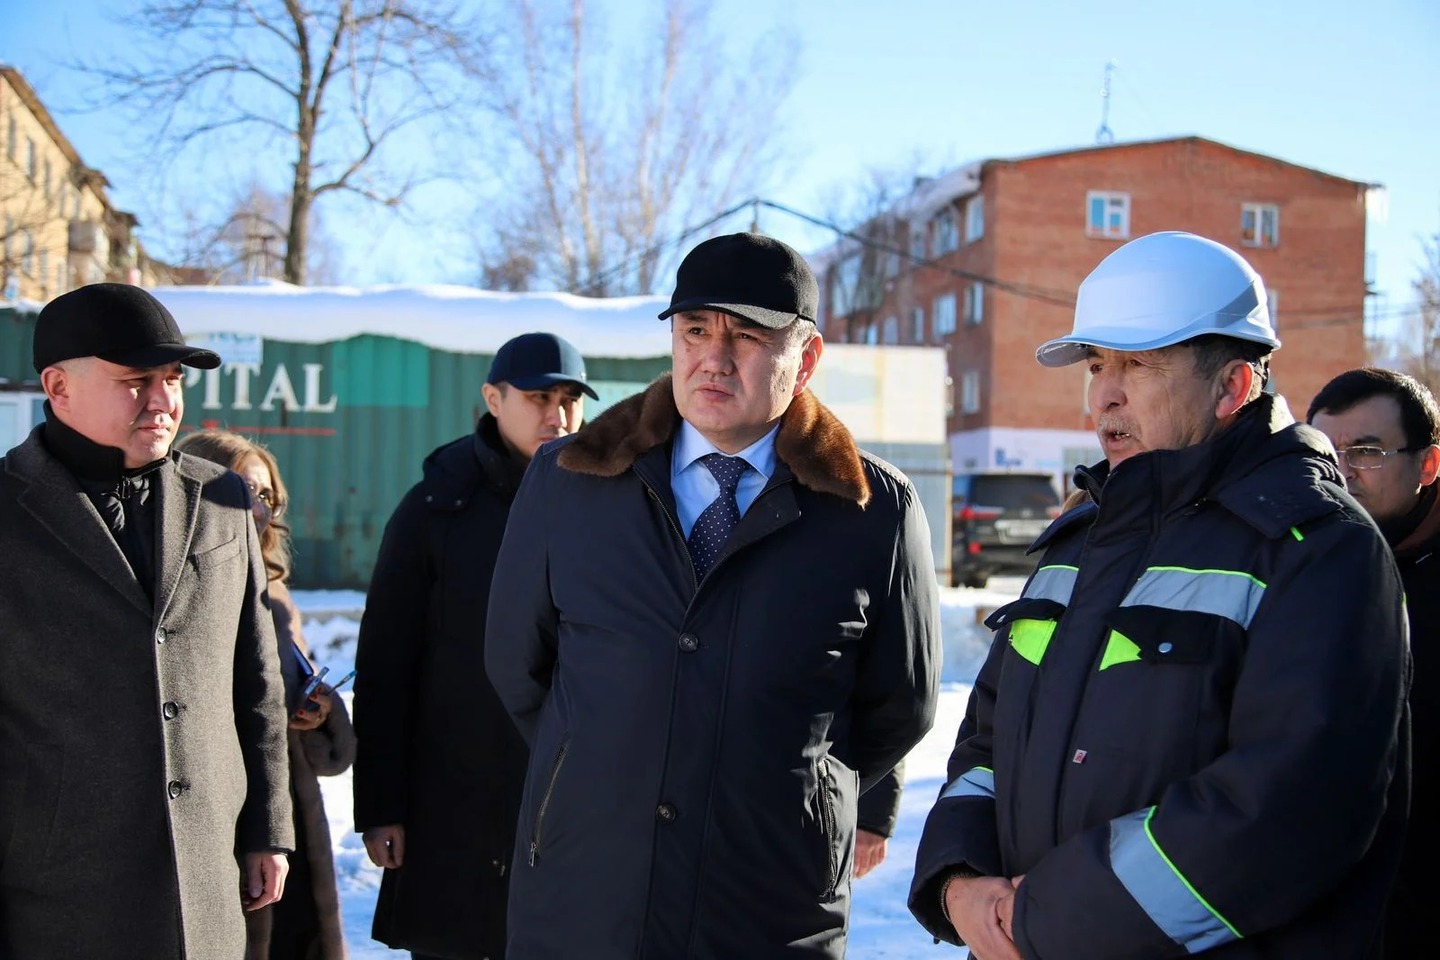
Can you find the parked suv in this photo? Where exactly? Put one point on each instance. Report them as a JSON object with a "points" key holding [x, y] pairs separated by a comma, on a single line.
{"points": [[995, 517]]}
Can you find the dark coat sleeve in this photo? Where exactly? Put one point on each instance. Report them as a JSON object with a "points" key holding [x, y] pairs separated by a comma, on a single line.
{"points": [[265, 820], [897, 680], [389, 657], [1289, 808], [880, 805], [961, 830], [522, 622]]}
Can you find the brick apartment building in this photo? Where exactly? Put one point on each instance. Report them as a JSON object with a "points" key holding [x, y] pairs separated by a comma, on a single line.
{"points": [[997, 249]]}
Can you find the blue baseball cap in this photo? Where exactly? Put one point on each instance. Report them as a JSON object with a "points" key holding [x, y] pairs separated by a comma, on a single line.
{"points": [[538, 361]]}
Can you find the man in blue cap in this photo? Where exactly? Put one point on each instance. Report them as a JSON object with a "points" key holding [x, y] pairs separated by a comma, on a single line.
{"points": [[439, 765]]}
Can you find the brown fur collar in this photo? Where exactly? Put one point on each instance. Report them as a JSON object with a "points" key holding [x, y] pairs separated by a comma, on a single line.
{"points": [[812, 442]]}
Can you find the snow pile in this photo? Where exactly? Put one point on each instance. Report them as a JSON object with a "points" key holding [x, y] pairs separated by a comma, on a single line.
{"points": [[881, 926]]}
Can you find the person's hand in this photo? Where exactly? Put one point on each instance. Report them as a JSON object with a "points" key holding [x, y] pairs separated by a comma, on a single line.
{"points": [[975, 906], [264, 879], [869, 851], [386, 845], [316, 710]]}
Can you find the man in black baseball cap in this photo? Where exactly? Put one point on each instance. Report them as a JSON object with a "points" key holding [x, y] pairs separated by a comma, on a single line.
{"points": [[439, 764], [169, 636], [116, 322], [715, 622]]}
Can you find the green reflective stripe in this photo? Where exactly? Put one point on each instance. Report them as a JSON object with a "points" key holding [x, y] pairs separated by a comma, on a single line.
{"points": [[1295, 532], [1119, 649], [1031, 637], [975, 782], [1161, 890], [1055, 582], [1224, 593]]}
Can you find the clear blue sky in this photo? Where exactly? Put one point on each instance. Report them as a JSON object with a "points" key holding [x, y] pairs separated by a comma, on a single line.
{"points": [[1351, 90]]}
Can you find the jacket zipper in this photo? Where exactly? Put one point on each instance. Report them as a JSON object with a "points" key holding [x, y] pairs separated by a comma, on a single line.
{"points": [[827, 824], [545, 802]]}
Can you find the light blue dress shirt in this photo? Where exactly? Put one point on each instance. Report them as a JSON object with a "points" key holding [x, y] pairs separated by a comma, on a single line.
{"points": [[695, 487]]}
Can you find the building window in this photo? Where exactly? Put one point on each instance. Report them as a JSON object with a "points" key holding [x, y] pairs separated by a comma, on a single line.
{"points": [[975, 219], [1259, 225], [60, 279], [47, 179], [917, 243], [892, 330], [44, 273], [917, 325], [872, 333], [75, 206], [975, 304], [30, 159], [947, 231], [944, 314], [1107, 214], [12, 137], [27, 252], [970, 392]]}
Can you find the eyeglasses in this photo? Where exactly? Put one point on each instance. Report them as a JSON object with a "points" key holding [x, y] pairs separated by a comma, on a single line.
{"points": [[267, 498], [1368, 457]]}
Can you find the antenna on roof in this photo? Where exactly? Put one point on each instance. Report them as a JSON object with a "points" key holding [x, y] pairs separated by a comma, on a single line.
{"points": [[1105, 134]]}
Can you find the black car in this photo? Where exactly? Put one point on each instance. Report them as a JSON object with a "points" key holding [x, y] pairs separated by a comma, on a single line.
{"points": [[995, 517]]}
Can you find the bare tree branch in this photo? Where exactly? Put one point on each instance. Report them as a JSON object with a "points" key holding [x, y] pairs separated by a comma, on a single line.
{"points": [[330, 82]]}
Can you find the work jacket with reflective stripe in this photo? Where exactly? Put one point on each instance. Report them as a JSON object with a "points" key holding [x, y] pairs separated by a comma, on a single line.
{"points": [[1187, 736]]}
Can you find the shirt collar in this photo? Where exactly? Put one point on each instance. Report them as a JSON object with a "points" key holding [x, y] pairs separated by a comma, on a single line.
{"points": [[691, 445]]}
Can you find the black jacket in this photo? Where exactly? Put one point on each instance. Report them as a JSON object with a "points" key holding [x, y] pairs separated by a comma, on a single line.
{"points": [[1411, 933], [698, 750], [1187, 734], [437, 751]]}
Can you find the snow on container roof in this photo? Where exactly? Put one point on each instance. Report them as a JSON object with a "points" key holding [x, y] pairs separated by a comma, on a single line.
{"points": [[444, 317]]}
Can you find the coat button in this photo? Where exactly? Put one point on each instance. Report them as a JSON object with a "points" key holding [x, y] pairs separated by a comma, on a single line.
{"points": [[666, 813], [160, 635], [689, 642], [171, 709], [175, 789], [1166, 647]]}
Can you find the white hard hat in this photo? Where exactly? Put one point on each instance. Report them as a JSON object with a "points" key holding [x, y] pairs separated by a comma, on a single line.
{"points": [[1162, 289]]}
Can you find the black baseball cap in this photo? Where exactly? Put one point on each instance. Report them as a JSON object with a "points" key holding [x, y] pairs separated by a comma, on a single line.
{"points": [[538, 361], [747, 275], [116, 322]]}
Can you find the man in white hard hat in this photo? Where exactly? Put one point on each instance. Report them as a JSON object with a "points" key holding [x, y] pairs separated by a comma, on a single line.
{"points": [[1187, 736]]}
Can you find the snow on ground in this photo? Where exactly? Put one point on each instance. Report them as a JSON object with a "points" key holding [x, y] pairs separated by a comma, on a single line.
{"points": [[880, 925]]}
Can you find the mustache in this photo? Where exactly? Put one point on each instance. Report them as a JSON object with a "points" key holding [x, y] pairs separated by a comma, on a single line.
{"points": [[1114, 424]]}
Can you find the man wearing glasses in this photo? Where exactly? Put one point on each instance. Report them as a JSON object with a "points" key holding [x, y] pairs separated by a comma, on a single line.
{"points": [[1386, 430]]}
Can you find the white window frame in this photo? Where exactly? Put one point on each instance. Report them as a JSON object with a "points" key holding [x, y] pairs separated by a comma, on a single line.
{"points": [[975, 218], [970, 392], [1254, 234], [943, 313], [947, 231], [975, 304], [1109, 227]]}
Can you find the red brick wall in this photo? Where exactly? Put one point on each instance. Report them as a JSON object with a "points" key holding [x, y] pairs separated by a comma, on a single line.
{"points": [[1035, 236]]}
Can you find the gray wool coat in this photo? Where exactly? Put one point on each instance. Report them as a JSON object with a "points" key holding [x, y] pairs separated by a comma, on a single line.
{"points": [[142, 746]]}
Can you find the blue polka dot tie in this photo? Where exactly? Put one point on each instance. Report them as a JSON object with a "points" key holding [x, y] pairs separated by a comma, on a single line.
{"points": [[712, 528]]}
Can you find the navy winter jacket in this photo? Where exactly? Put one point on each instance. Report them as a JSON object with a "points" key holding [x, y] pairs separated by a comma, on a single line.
{"points": [[1187, 736]]}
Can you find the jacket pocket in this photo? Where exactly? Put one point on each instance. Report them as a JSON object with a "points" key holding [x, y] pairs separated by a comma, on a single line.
{"points": [[210, 557], [29, 806], [537, 833], [1029, 622], [836, 794]]}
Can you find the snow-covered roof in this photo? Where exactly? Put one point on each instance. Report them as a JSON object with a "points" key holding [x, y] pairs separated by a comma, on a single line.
{"points": [[454, 318]]}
